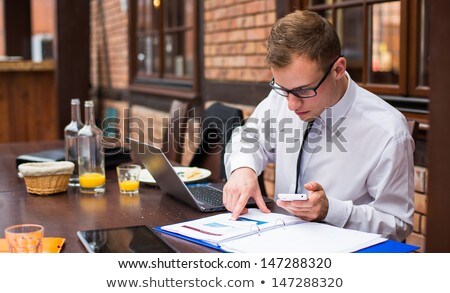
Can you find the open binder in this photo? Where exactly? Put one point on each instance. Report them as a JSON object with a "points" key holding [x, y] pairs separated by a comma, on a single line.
{"points": [[262, 233]]}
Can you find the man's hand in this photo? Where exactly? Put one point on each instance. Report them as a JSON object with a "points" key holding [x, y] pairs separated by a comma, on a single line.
{"points": [[314, 209], [242, 184]]}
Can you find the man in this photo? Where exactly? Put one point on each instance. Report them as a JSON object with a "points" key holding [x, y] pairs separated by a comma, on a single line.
{"points": [[356, 161]]}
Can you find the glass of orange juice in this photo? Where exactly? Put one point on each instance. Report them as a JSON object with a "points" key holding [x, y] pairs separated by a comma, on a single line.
{"points": [[92, 182], [128, 178]]}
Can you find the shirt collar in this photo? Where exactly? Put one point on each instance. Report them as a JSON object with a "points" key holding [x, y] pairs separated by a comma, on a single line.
{"points": [[341, 108]]}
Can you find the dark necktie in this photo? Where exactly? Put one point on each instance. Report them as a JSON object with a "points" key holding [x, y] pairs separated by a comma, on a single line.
{"points": [[305, 138]]}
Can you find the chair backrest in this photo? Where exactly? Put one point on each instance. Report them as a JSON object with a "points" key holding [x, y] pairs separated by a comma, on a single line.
{"points": [[174, 139], [147, 124], [218, 123], [413, 127]]}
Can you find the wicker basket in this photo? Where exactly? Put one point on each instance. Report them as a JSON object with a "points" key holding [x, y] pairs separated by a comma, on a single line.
{"points": [[46, 178]]}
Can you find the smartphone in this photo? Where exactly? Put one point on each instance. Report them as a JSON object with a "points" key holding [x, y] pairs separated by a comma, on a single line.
{"points": [[292, 196], [124, 239]]}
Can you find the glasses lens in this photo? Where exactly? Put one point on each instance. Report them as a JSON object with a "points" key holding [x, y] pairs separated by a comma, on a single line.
{"points": [[280, 91], [304, 93]]}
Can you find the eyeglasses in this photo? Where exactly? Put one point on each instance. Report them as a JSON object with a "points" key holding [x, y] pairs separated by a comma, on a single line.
{"points": [[301, 92]]}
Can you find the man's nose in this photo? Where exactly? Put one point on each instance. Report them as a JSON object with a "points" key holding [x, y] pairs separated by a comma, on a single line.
{"points": [[294, 102]]}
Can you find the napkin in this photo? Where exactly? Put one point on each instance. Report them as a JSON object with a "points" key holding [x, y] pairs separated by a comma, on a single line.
{"points": [[51, 245]]}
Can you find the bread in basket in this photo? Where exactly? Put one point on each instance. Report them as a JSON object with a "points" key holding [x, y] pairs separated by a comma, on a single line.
{"points": [[46, 178]]}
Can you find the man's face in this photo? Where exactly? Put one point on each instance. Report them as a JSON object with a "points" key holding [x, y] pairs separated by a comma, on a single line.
{"points": [[304, 73]]}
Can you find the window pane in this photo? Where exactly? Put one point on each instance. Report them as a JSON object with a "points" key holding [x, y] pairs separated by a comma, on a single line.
{"points": [[165, 37], [349, 25], [148, 54], [141, 15], [153, 15], [424, 49], [385, 43], [189, 12], [170, 42], [189, 53], [328, 14], [178, 59], [179, 46], [147, 37], [173, 13]]}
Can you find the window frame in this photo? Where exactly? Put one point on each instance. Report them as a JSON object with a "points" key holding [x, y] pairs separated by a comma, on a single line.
{"points": [[414, 16], [160, 84], [409, 41]]}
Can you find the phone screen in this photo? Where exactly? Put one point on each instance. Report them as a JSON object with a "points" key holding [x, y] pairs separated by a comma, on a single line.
{"points": [[125, 239]]}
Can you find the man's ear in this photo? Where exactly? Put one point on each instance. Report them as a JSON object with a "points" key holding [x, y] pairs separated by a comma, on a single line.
{"points": [[341, 66]]}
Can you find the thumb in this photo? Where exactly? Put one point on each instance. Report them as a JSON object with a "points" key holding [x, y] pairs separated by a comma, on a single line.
{"points": [[313, 186], [260, 203]]}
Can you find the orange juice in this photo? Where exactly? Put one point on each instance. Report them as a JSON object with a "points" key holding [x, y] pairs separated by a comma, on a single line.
{"points": [[92, 180], [129, 185]]}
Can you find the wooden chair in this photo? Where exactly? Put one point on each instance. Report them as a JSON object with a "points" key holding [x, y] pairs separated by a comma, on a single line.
{"points": [[413, 126], [174, 137], [218, 123]]}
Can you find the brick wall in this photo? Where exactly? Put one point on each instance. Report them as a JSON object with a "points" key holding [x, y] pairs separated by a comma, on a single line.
{"points": [[235, 36], [109, 44], [420, 208], [42, 20]]}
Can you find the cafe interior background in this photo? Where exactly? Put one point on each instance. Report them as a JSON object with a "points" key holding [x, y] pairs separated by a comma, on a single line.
{"points": [[136, 57]]}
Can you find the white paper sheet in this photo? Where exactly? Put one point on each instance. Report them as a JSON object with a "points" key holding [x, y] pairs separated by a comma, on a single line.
{"points": [[304, 238]]}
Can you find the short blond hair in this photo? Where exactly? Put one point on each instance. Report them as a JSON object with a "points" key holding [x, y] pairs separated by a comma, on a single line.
{"points": [[302, 33]]}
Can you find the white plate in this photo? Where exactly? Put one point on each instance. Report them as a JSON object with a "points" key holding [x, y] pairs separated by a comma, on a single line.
{"points": [[147, 178]]}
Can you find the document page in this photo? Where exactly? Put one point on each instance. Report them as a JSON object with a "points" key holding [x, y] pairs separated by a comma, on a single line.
{"points": [[304, 237], [218, 228]]}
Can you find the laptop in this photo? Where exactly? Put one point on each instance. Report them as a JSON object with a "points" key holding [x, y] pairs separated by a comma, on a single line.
{"points": [[205, 197]]}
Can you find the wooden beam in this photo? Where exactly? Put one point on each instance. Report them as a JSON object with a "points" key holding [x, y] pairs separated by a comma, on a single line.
{"points": [[72, 55], [438, 223], [17, 16]]}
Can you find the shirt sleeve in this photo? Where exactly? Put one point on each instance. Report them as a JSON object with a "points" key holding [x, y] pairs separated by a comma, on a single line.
{"points": [[391, 184], [249, 145]]}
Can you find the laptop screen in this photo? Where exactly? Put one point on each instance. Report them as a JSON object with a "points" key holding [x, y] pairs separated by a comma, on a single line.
{"points": [[162, 170]]}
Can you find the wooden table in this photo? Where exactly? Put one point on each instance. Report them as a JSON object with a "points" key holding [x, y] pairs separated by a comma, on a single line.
{"points": [[64, 214]]}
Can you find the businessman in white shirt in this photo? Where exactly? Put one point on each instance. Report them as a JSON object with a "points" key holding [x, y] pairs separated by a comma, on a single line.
{"points": [[356, 161]]}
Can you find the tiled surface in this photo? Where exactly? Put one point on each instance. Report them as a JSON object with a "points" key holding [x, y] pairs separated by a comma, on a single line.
{"points": [[420, 179], [420, 203], [417, 239]]}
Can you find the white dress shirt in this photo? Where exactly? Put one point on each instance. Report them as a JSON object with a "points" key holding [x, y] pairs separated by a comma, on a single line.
{"points": [[361, 153]]}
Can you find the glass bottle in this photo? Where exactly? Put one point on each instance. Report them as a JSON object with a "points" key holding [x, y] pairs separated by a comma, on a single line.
{"points": [[91, 157], [71, 139]]}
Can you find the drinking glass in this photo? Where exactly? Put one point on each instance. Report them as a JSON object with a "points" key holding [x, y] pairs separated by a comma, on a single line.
{"points": [[128, 178], [25, 238]]}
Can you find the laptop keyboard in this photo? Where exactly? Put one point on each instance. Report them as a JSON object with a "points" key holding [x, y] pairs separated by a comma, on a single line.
{"points": [[206, 194]]}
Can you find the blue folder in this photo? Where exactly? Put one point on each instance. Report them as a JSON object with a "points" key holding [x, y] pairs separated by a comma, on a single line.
{"points": [[190, 239], [389, 246]]}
